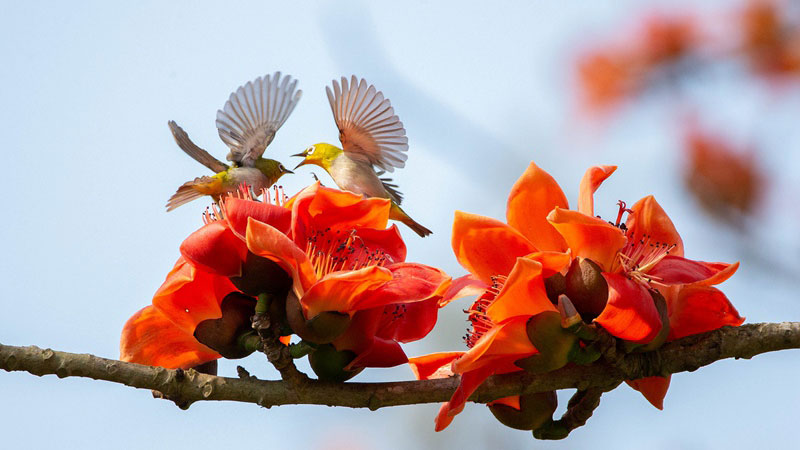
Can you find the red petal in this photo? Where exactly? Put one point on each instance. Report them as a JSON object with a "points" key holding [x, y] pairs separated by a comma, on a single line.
{"points": [[679, 270], [346, 291], [502, 343], [386, 240], [697, 309], [214, 248], [552, 262], [409, 322], [238, 210], [588, 236], [411, 282], [268, 242], [470, 381], [534, 195], [382, 353], [149, 337], [592, 180], [189, 296], [523, 294], [486, 246], [630, 313], [648, 218], [465, 286], [653, 388], [318, 208], [435, 365]]}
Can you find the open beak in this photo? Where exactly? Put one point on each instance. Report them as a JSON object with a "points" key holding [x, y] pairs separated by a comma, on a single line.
{"points": [[287, 171], [302, 163]]}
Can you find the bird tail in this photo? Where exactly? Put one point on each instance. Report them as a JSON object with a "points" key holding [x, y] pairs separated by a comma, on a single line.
{"points": [[397, 213], [186, 193]]}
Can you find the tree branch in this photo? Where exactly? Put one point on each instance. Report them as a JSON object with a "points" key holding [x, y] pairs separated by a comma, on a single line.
{"points": [[687, 354]]}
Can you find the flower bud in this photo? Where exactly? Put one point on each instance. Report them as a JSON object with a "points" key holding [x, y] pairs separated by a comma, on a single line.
{"points": [[587, 288], [329, 364], [320, 329], [554, 343], [262, 276], [222, 335], [534, 410], [555, 285]]}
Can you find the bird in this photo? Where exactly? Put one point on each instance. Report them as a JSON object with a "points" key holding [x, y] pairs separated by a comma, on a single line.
{"points": [[373, 142], [247, 124]]}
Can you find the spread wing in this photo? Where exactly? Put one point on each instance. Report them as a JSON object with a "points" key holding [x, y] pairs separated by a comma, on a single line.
{"points": [[191, 149], [254, 113], [368, 128]]}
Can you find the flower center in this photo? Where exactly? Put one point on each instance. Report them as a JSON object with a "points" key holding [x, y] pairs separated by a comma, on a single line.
{"points": [[480, 323], [335, 250]]}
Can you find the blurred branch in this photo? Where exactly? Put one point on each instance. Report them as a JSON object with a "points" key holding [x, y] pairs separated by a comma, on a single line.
{"points": [[687, 354]]}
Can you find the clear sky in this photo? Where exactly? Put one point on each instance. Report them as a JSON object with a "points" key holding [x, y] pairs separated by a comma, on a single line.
{"points": [[87, 89]]}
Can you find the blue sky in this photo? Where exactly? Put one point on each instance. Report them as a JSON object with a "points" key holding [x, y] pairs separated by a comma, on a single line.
{"points": [[87, 90]]}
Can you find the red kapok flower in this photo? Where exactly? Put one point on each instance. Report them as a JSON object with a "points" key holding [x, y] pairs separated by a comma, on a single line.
{"points": [[344, 260]]}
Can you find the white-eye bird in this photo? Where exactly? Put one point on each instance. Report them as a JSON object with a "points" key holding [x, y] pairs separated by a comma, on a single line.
{"points": [[373, 142], [247, 124]]}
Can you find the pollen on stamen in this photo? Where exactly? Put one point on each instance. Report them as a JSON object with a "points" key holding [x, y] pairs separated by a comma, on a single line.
{"points": [[332, 252], [640, 255]]}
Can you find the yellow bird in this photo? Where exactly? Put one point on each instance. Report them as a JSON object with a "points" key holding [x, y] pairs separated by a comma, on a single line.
{"points": [[247, 124], [373, 142]]}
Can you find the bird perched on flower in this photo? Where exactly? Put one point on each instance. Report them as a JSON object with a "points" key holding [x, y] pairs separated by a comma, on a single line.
{"points": [[247, 124], [373, 142]]}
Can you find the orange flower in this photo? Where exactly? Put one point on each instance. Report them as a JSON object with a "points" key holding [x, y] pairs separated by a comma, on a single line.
{"points": [[162, 334], [725, 181], [344, 260], [516, 261]]}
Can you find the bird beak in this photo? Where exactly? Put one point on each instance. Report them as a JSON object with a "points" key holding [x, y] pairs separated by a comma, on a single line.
{"points": [[302, 163], [302, 154], [287, 171]]}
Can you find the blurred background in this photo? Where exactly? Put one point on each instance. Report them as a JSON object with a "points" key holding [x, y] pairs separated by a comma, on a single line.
{"points": [[697, 104]]}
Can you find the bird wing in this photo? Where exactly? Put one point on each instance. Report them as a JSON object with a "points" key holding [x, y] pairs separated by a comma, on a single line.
{"points": [[254, 113], [391, 188], [191, 149], [368, 128]]}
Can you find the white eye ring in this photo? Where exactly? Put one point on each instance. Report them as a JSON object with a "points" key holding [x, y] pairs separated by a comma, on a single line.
{"points": [[310, 150]]}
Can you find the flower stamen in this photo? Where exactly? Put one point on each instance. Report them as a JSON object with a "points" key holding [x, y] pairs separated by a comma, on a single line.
{"points": [[480, 322], [336, 251]]}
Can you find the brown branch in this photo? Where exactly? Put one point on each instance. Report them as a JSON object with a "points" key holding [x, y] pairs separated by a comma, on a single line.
{"points": [[687, 354]]}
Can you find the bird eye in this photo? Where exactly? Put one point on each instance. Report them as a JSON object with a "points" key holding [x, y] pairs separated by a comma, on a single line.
{"points": [[310, 150], [280, 166]]}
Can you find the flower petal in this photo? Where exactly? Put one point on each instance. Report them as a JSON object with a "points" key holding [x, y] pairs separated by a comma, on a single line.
{"points": [[588, 236], [268, 242], [523, 293], [697, 309], [149, 337], [238, 210], [382, 353], [385, 240], [189, 296], [630, 313], [654, 389], [409, 322], [470, 381], [502, 343], [486, 246], [648, 218], [534, 195], [592, 180], [678, 270], [318, 208], [346, 291], [552, 262], [433, 366], [214, 248], [411, 282], [461, 287]]}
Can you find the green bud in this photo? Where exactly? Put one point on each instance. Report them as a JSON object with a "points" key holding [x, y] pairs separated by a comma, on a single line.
{"points": [[320, 329], [587, 288], [553, 342], [223, 334], [262, 276], [551, 430], [329, 363], [534, 410]]}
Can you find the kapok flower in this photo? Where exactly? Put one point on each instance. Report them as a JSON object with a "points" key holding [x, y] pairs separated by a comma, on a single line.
{"points": [[162, 334], [771, 45], [344, 261], [726, 182]]}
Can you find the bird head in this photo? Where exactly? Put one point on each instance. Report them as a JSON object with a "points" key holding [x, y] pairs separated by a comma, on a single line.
{"points": [[321, 154], [271, 169]]}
